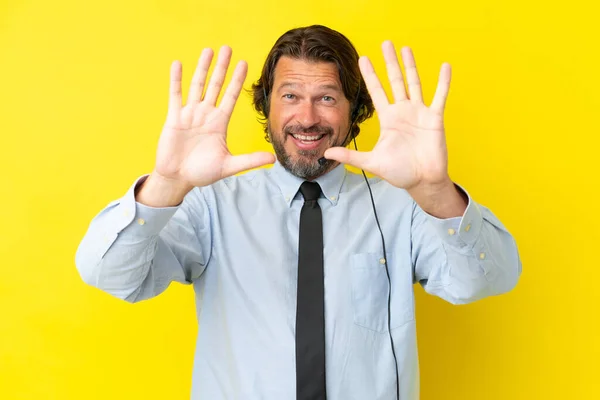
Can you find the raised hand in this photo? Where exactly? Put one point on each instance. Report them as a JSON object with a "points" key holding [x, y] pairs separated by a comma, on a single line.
{"points": [[192, 150], [411, 150]]}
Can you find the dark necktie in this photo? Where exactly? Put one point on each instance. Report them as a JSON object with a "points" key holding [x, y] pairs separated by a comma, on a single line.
{"points": [[310, 313]]}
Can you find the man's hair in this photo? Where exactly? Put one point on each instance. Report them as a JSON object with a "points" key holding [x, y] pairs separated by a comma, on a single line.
{"points": [[316, 43]]}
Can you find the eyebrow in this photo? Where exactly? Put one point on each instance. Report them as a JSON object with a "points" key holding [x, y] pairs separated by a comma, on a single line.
{"points": [[293, 85]]}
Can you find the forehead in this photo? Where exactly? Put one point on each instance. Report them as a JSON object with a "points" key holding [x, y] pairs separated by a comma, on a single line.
{"points": [[303, 72]]}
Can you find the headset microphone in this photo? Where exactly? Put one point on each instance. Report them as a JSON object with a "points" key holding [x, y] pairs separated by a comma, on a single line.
{"points": [[322, 161]]}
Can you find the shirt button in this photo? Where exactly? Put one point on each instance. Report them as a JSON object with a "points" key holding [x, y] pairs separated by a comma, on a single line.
{"points": [[468, 228], [451, 231], [382, 261], [482, 255], [287, 199], [141, 221], [332, 198]]}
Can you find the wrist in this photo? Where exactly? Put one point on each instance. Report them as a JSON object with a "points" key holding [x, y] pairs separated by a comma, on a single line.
{"points": [[157, 191], [441, 200]]}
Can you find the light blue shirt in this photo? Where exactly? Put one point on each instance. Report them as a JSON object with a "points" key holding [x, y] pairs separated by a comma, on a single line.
{"points": [[236, 242]]}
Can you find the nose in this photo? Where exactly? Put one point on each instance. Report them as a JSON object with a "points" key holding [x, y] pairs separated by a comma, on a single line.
{"points": [[307, 114]]}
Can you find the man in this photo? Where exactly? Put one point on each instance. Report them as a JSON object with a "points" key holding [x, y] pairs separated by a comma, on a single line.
{"points": [[303, 290]]}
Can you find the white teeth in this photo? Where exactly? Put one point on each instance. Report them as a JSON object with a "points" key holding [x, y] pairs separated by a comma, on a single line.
{"points": [[308, 138]]}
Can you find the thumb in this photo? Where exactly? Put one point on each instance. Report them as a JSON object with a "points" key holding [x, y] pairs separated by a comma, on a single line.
{"points": [[235, 164], [358, 159]]}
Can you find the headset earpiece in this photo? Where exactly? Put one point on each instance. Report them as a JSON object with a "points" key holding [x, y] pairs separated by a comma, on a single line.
{"points": [[264, 102], [356, 113], [357, 110]]}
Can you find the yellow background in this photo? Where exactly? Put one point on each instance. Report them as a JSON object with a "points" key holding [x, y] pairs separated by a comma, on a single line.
{"points": [[83, 97]]}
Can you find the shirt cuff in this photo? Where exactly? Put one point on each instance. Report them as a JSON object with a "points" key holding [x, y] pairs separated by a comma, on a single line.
{"points": [[142, 221], [460, 231]]}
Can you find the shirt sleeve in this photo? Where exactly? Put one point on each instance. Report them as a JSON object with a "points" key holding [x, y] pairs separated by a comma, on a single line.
{"points": [[466, 258], [134, 252]]}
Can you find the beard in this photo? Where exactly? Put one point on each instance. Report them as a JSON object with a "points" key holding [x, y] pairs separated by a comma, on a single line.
{"points": [[306, 164]]}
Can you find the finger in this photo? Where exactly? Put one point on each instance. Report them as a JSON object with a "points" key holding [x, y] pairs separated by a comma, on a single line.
{"points": [[412, 76], [235, 164], [199, 78], [393, 70], [234, 88], [374, 87], [175, 92], [218, 76], [358, 159], [443, 88]]}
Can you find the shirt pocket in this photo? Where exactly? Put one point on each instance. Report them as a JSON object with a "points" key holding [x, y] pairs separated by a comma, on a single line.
{"points": [[370, 288]]}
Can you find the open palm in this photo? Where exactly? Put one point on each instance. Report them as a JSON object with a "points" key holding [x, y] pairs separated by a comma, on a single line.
{"points": [[192, 149], [411, 149]]}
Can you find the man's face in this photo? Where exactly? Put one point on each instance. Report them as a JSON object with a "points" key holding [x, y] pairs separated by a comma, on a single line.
{"points": [[309, 113]]}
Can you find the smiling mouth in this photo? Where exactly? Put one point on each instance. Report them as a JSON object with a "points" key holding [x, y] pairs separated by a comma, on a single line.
{"points": [[308, 139]]}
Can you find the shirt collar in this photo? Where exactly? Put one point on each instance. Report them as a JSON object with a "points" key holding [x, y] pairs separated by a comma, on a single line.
{"points": [[289, 184]]}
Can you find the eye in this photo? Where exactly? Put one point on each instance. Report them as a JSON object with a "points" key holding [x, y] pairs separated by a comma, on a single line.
{"points": [[328, 98], [289, 96]]}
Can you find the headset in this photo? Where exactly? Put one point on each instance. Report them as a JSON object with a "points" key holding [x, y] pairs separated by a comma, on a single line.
{"points": [[357, 112]]}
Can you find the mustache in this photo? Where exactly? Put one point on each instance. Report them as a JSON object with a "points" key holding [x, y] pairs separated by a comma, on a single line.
{"points": [[316, 129]]}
